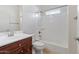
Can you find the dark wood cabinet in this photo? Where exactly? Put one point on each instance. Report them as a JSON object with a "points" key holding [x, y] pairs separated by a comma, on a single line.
{"points": [[23, 46]]}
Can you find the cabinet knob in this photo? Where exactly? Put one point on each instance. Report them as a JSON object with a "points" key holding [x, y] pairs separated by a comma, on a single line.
{"points": [[28, 49], [20, 45], [21, 50]]}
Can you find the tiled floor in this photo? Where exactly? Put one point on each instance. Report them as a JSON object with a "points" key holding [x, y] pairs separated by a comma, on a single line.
{"points": [[45, 51], [48, 51]]}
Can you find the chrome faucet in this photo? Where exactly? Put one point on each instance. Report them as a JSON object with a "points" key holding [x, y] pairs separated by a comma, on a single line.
{"points": [[10, 33]]}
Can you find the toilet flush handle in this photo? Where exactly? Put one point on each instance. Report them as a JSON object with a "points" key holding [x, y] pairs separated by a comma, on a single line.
{"points": [[39, 32]]}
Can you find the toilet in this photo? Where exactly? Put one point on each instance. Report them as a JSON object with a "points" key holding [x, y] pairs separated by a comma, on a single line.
{"points": [[38, 47], [37, 43]]}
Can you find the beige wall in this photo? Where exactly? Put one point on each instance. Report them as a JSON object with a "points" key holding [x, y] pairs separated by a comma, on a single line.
{"points": [[72, 13]]}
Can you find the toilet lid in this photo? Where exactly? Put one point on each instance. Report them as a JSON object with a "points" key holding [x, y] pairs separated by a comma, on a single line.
{"points": [[37, 43]]}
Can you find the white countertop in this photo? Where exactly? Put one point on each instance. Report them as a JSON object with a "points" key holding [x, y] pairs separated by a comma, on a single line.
{"points": [[4, 39]]}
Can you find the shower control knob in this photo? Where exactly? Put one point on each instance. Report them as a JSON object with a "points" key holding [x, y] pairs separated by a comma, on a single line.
{"points": [[39, 32]]}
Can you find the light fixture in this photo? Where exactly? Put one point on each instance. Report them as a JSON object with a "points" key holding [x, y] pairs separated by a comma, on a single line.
{"points": [[51, 12], [36, 14], [78, 8]]}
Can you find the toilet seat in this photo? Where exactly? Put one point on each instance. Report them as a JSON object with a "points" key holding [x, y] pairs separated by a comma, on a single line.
{"points": [[38, 43], [38, 46]]}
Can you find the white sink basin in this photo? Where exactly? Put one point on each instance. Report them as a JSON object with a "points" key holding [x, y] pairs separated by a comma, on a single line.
{"points": [[4, 39]]}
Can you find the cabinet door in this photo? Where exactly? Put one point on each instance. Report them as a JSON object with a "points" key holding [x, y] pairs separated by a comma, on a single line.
{"points": [[27, 46], [8, 48], [20, 47]]}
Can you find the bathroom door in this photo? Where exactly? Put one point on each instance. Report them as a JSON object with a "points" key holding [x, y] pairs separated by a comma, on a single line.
{"points": [[55, 29]]}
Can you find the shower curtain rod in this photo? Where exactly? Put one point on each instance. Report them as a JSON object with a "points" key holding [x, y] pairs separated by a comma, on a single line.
{"points": [[53, 8], [49, 9]]}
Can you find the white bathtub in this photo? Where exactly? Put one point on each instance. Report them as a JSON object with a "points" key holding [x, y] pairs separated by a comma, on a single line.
{"points": [[52, 47]]}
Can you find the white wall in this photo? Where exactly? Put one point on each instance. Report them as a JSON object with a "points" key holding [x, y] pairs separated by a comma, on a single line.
{"points": [[8, 14], [30, 22]]}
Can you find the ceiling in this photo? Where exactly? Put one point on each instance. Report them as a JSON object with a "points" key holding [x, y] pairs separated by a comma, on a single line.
{"points": [[48, 7]]}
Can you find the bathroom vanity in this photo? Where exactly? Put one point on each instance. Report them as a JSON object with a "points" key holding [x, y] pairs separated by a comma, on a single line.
{"points": [[18, 44]]}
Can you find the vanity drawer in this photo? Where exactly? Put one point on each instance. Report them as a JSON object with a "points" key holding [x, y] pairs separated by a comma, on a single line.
{"points": [[9, 48], [26, 41], [27, 45]]}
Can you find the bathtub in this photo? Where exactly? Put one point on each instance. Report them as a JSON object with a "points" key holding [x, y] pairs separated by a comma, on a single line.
{"points": [[55, 48]]}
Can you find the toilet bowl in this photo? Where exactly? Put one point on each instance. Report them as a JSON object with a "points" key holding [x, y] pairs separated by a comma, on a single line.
{"points": [[38, 46]]}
